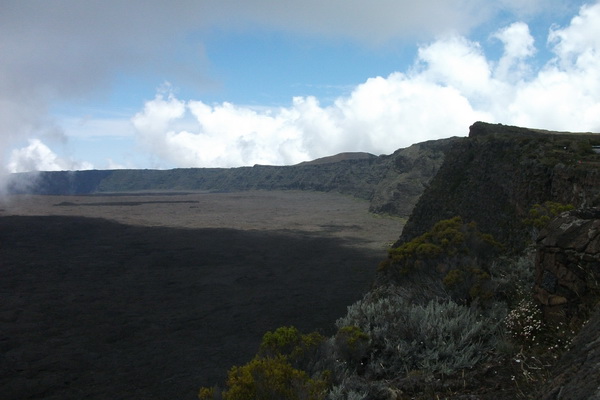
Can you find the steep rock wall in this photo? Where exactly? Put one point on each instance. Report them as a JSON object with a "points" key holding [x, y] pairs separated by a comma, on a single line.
{"points": [[499, 172]]}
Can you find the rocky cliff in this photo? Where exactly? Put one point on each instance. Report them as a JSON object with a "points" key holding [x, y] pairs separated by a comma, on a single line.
{"points": [[494, 177], [567, 281]]}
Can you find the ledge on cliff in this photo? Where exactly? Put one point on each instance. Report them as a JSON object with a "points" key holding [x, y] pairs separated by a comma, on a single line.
{"points": [[480, 128]]}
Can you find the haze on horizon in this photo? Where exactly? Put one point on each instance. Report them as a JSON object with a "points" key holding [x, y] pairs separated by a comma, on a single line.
{"points": [[151, 84]]}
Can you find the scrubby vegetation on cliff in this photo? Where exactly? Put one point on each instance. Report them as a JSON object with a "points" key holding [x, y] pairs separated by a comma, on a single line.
{"points": [[450, 259], [446, 321]]}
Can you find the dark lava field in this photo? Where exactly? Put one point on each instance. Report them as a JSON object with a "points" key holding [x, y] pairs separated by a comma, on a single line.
{"points": [[151, 296]]}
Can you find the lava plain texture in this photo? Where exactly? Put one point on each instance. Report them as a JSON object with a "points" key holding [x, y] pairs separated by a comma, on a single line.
{"points": [[154, 295]]}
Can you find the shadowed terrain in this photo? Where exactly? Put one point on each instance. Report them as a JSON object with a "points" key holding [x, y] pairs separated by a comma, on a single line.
{"points": [[98, 309]]}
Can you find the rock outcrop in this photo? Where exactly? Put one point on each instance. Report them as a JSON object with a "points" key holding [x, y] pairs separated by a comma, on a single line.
{"points": [[567, 281], [567, 285]]}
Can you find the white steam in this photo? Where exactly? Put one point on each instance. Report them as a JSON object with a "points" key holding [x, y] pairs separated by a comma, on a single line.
{"points": [[36, 156]]}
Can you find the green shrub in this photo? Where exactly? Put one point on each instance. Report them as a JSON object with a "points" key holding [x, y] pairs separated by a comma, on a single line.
{"points": [[540, 215], [283, 340], [207, 393], [438, 337], [271, 379], [450, 260], [299, 349], [351, 345], [278, 371], [454, 277], [447, 239]]}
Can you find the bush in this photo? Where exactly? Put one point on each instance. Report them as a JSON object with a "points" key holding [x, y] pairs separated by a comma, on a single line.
{"points": [[356, 388], [207, 393], [438, 337], [272, 379], [541, 214], [352, 345], [447, 261], [288, 341], [449, 238], [278, 371], [513, 278]]}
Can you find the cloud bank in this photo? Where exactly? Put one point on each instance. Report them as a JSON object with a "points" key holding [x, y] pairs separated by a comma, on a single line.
{"points": [[450, 85]]}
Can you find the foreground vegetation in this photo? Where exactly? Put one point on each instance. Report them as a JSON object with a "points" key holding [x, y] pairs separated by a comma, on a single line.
{"points": [[449, 315]]}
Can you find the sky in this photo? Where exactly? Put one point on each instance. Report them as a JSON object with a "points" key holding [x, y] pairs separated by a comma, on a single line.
{"points": [[107, 84]]}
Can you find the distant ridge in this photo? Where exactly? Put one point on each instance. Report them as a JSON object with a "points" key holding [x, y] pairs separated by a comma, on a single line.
{"points": [[339, 157], [391, 183], [506, 168]]}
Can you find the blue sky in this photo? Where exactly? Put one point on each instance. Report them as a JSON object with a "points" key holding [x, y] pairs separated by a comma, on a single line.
{"points": [[202, 83]]}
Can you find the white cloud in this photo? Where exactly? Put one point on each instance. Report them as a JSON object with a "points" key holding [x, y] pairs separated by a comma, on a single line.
{"points": [[379, 116], [456, 62], [451, 85], [578, 43], [36, 156], [518, 46], [565, 94]]}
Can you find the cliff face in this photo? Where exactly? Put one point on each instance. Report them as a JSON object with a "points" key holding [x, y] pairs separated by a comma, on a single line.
{"points": [[499, 172], [567, 281], [407, 174], [567, 285]]}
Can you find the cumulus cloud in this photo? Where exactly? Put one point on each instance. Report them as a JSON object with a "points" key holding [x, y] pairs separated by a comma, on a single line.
{"points": [[451, 84], [380, 115], [565, 93], [518, 46], [580, 41]]}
